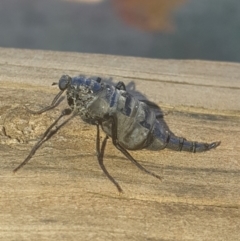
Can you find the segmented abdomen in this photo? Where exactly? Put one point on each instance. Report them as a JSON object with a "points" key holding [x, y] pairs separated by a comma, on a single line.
{"points": [[135, 122]]}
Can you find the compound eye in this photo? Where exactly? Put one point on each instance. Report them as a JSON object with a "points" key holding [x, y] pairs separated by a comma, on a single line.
{"points": [[64, 82]]}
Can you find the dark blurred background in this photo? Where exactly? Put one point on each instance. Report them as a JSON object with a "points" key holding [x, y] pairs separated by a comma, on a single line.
{"points": [[179, 29]]}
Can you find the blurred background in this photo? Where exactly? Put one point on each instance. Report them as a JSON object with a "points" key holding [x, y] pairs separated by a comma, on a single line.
{"points": [[178, 29]]}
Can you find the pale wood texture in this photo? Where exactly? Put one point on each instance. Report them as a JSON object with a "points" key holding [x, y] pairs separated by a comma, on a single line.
{"points": [[62, 194]]}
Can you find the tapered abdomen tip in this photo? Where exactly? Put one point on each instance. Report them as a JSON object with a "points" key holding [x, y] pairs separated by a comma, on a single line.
{"points": [[214, 145]]}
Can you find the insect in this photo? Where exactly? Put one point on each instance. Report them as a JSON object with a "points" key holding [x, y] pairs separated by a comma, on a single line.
{"points": [[131, 123]]}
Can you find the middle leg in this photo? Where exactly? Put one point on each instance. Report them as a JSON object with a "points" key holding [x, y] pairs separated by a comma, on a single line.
{"points": [[125, 152], [100, 154]]}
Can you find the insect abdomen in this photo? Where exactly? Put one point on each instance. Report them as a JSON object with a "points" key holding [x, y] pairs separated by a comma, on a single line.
{"points": [[135, 122]]}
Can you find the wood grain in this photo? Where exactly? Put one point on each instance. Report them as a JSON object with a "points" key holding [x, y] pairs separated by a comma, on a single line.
{"points": [[62, 193]]}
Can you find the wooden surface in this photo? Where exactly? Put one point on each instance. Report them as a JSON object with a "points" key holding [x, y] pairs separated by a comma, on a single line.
{"points": [[62, 194]]}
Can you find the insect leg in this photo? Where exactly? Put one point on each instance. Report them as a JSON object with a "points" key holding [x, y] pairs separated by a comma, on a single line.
{"points": [[125, 152], [47, 135], [100, 154], [54, 103]]}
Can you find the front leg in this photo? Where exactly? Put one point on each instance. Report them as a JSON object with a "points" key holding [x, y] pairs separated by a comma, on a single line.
{"points": [[51, 130]]}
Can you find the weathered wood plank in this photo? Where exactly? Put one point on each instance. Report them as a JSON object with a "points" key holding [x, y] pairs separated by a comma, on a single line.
{"points": [[62, 192], [164, 81]]}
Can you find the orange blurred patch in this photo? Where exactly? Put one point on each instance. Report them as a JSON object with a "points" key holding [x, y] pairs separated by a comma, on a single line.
{"points": [[151, 15]]}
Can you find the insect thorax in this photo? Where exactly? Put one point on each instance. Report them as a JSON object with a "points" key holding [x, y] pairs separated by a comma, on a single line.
{"points": [[91, 106]]}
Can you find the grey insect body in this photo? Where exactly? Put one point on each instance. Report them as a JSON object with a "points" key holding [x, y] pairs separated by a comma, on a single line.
{"points": [[99, 101], [131, 123], [137, 125]]}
